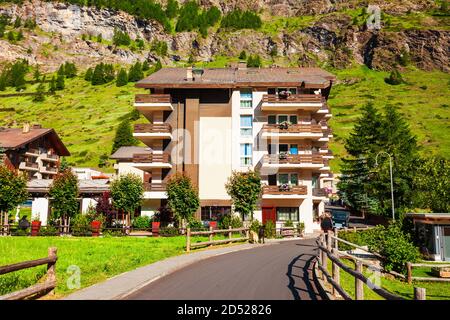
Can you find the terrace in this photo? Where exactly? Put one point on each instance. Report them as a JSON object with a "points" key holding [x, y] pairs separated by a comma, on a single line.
{"points": [[277, 102]]}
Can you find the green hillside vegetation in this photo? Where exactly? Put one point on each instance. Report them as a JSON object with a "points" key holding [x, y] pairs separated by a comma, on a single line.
{"points": [[87, 116]]}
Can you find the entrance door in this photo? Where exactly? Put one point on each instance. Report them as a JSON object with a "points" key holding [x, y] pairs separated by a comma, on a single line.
{"points": [[269, 213], [446, 243]]}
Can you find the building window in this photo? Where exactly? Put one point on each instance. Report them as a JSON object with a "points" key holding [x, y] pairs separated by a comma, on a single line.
{"points": [[287, 213], [274, 119], [246, 98], [246, 154], [214, 213], [246, 126], [288, 178]]}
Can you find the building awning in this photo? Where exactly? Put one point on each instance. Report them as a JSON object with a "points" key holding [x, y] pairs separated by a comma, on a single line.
{"points": [[430, 218], [41, 187]]}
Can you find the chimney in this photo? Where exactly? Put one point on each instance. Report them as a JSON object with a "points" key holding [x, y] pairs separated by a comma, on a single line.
{"points": [[26, 127], [36, 126], [189, 75], [242, 65]]}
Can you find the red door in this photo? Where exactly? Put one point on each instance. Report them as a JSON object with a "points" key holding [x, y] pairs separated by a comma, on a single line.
{"points": [[269, 213]]}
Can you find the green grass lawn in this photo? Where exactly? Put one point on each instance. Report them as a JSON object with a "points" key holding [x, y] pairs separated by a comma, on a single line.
{"points": [[97, 258], [434, 290]]}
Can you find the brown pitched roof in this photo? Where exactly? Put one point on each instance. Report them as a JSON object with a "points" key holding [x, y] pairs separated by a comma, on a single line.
{"points": [[126, 153], [234, 77], [14, 138]]}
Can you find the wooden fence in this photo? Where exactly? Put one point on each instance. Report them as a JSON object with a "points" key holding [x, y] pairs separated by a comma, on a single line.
{"points": [[328, 249], [40, 288], [211, 234], [410, 266]]}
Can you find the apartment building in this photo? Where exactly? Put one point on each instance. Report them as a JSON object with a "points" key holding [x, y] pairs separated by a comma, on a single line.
{"points": [[207, 123], [33, 150]]}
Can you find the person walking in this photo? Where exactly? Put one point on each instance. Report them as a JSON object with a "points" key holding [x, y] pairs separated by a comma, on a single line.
{"points": [[326, 223]]}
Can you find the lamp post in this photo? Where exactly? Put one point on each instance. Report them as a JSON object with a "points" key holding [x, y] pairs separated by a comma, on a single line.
{"points": [[392, 181]]}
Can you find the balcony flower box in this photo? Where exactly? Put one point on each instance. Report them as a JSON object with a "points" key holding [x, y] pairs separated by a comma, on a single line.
{"points": [[284, 94], [282, 156], [284, 125], [284, 187]]}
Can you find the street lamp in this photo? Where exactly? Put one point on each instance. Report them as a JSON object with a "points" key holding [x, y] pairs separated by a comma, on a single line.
{"points": [[392, 182]]}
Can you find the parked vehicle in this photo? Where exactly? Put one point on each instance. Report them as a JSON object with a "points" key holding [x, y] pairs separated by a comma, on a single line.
{"points": [[340, 218]]}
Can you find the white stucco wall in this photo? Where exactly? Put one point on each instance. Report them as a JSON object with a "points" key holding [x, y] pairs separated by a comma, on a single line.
{"points": [[39, 207]]}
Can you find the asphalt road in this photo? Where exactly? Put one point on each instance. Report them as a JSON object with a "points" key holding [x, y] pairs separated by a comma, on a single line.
{"points": [[281, 271]]}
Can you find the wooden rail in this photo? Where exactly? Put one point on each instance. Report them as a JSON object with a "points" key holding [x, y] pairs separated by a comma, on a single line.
{"points": [[151, 157], [293, 128], [410, 266], [277, 190], [327, 251], [45, 287], [156, 187], [152, 128], [152, 98], [211, 234], [293, 98], [293, 158]]}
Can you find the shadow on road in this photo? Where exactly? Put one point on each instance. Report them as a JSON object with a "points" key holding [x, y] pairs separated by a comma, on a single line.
{"points": [[304, 280]]}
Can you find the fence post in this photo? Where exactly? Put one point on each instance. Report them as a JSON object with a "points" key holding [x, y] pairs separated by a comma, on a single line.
{"points": [[409, 268], [329, 240], [359, 288], [229, 233], [336, 242], [188, 239], [324, 254], [247, 234], [420, 293], [210, 235], [51, 267], [336, 275]]}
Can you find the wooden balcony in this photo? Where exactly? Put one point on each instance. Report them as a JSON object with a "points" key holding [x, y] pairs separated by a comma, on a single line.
{"points": [[304, 131], [293, 160], [275, 102], [49, 170], [147, 161], [49, 157], [29, 166], [32, 152], [153, 102], [278, 192], [150, 131], [155, 191]]}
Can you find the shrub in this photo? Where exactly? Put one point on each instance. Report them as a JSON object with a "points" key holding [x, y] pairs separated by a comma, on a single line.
{"points": [[255, 226], [113, 233], [289, 223], [300, 227], [270, 229], [48, 231], [395, 78], [81, 226], [142, 222], [169, 232], [197, 225], [230, 220]]}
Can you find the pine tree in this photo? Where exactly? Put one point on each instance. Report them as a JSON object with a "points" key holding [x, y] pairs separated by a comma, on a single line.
{"points": [[124, 136], [40, 93], [243, 55], [52, 85], [158, 65], [61, 71], [136, 72], [60, 82], [145, 66], [98, 75], [88, 75], [70, 70], [171, 9], [36, 74], [122, 78]]}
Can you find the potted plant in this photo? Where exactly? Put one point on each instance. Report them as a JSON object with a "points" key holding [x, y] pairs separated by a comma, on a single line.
{"points": [[284, 125], [284, 94], [301, 228], [155, 226], [282, 155], [35, 226], [284, 187], [95, 226]]}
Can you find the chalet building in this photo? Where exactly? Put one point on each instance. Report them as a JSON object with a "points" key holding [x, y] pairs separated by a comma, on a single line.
{"points": [[207, 123], [33, 150]]}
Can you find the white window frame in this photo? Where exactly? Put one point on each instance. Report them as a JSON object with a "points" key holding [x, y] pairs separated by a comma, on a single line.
{"points": [[289, 174], [277, 117], [245, 128], [246, 159], [246, 99]]}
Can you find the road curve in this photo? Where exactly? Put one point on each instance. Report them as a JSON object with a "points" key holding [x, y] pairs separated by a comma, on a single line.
{"points": [[282, 271]]}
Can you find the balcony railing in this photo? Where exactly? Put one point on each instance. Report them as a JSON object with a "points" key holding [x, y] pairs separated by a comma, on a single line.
{"points": [[29, 165], [152, 98], [285, 190], [49, 169], [319, 192], [32, 151], [292, 159], [50, 156], [155, 187], [293, 98], [152, 128], [150, 158], [293, 128]]}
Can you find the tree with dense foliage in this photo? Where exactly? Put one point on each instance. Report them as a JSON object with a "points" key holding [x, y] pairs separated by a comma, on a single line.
{"points": [[70, 70], [60, 82], [124, 136], [14, 74], [121, 38], [431, 184], [192, 17], [243, 55], [122, 78], [244, 188], [103, 73], [64, 192], [40, 93], [135, 74], [145, 66], [363, 184], [52, 85], [158, 66], [238, 19], [171, 9], [394, 78], [13, 189], [254, 61], [17, 22], [159, 47], [127, 192], [37, 75], [182, 198], [105, 207], [88, 75]]}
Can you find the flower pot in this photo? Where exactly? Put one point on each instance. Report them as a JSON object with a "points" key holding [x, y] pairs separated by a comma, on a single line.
{"points": [[95, 225], [213, 224], [155, 228], [35, 227]]}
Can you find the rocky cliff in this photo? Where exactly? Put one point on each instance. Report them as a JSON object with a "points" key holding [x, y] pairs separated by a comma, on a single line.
{"points": [[331, 37]]}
